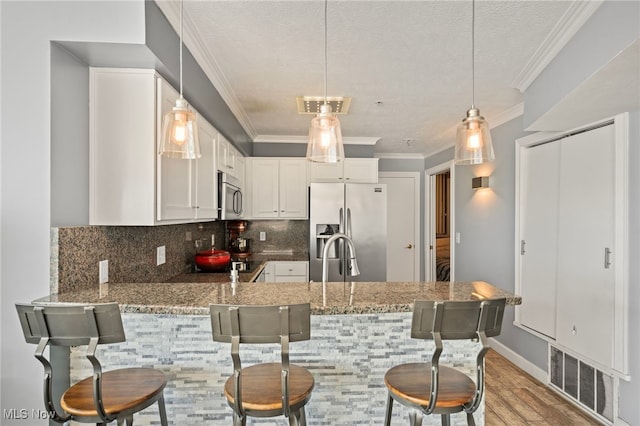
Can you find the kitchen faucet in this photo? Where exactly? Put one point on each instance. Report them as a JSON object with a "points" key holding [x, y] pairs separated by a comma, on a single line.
{"points": [[353, 263]]}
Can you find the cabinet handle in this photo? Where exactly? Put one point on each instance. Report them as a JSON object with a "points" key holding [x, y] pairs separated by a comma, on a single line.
{"points": [[522, 244], [607, 258], [410, 246]]}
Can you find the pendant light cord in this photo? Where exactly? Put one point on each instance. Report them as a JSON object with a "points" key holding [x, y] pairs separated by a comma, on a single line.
{"points": [[325, 51], [181, 7], [473, 58]]}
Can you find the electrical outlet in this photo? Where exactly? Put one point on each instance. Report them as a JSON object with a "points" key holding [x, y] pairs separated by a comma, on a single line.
{"points": [[103, 271], [188, 237], [263, 236], [457, 238], [161, 255]]}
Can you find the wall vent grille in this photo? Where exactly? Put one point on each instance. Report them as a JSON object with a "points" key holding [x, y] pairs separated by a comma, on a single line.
{"points": [[589, 387]]}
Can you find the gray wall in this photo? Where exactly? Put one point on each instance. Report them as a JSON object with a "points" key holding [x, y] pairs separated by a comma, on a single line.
{"points": [[485, 220], [69, 139], [613, 27], [300, 150]]}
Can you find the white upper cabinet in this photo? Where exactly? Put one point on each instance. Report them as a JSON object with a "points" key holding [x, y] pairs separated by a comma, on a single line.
{"points": [[130, 184], [351, 170], [278, 188], [230, 160]]}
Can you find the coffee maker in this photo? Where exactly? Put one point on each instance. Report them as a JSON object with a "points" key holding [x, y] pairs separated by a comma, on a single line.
{"points": [[237, 245]]}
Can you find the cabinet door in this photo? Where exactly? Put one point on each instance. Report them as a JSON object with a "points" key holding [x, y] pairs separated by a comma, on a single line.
{"points": [[539, 230], [586, 230], [325, 172], [293, 188], [176, 194], [206, 176], [122, 158], [361, 170], [264, 188], [222, 150]]}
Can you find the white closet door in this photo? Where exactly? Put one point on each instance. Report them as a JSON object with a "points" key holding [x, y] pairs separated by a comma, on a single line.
{"points": [[586, 230], [539, 231]]}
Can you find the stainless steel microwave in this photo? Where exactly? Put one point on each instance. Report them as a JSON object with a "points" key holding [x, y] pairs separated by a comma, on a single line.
{"points": [[229, 197]]}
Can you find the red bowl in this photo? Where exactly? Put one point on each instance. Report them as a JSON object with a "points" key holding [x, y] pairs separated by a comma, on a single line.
{"points": [[213, 260]]}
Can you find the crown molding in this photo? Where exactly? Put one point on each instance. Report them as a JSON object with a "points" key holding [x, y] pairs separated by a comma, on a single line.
{"points": [[193, 40], [574, 18], [399, 156], [305, 139], [508, 115]]}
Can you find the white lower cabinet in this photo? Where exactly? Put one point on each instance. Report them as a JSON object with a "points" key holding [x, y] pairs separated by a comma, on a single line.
{"points": [[286, 272], [570, 264], [130, 184]]}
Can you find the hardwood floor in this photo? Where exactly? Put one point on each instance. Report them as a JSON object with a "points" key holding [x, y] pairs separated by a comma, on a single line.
{"points": [[513, 398]]}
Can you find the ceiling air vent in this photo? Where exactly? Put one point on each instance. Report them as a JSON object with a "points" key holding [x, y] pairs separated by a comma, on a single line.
{"points": [[311, 104]]}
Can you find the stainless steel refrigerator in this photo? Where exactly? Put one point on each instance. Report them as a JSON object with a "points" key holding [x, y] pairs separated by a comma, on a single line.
{"points": [[358, 210]]}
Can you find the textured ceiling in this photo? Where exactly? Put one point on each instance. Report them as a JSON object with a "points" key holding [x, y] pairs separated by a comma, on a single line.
{"points": [[406, 64]]}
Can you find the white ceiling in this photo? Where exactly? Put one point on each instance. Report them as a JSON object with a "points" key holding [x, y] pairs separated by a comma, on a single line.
{"points": [[405, 64]]}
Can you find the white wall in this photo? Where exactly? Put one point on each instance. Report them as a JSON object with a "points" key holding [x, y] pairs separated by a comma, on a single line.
{"points": [[26, 31]]}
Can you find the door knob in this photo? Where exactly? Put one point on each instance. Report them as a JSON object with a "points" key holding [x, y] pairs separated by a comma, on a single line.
{"points": [[410, 246]]}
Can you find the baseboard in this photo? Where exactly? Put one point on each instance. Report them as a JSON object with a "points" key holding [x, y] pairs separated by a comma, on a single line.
{"points": [[522, 363]]}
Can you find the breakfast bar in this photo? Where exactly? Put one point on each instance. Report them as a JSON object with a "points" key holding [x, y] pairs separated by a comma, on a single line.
{"points": [[362, 331]]}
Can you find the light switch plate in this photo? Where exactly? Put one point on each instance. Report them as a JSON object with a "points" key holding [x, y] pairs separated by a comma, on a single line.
{"points": [[103, 271], [263, 236], [161, 255]]}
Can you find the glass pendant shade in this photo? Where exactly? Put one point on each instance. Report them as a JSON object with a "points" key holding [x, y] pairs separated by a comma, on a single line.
{"points": [[473, 140], [325, 138], [180, 133]]}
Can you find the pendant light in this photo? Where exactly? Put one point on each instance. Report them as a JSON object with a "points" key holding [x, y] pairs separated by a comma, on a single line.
{"points": [[473, 138], [179, 128], [325, 136]]}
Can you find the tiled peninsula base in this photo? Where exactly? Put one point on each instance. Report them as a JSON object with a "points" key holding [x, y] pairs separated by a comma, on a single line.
{"points": [[347, 354]]}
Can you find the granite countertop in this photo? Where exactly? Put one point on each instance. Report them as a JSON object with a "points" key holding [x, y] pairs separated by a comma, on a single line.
{"points": [[221, 277], [342, 298]]}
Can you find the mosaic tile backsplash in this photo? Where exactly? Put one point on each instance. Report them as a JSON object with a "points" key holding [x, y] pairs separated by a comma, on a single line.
{"points": [[131, 250]]}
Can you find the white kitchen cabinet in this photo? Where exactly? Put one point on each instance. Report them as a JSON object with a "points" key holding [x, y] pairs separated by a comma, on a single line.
{"points": [[351, 170], [278, 188], [130, 184], [571, 251], [230, 160], [286, 272]]}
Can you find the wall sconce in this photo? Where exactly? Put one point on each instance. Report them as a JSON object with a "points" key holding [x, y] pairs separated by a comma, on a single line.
{"points": [[480, 182]]}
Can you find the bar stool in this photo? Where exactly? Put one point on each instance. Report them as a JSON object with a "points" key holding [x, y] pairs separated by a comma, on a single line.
{"points": [[265, 389], [106, 396], [430, 388]]}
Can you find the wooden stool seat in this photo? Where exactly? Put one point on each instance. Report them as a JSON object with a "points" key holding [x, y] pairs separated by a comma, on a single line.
{"points": [[124, 390], [412, 382], [261, 390]]}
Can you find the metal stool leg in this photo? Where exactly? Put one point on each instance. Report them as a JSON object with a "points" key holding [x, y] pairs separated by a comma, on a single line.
{"points": [[446, 419], [163, 411], [389, 409], [470, 420], [415, 418], [303, 417]]}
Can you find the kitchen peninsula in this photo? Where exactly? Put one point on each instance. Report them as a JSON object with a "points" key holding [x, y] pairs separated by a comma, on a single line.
{"points": [[361, 332]]}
